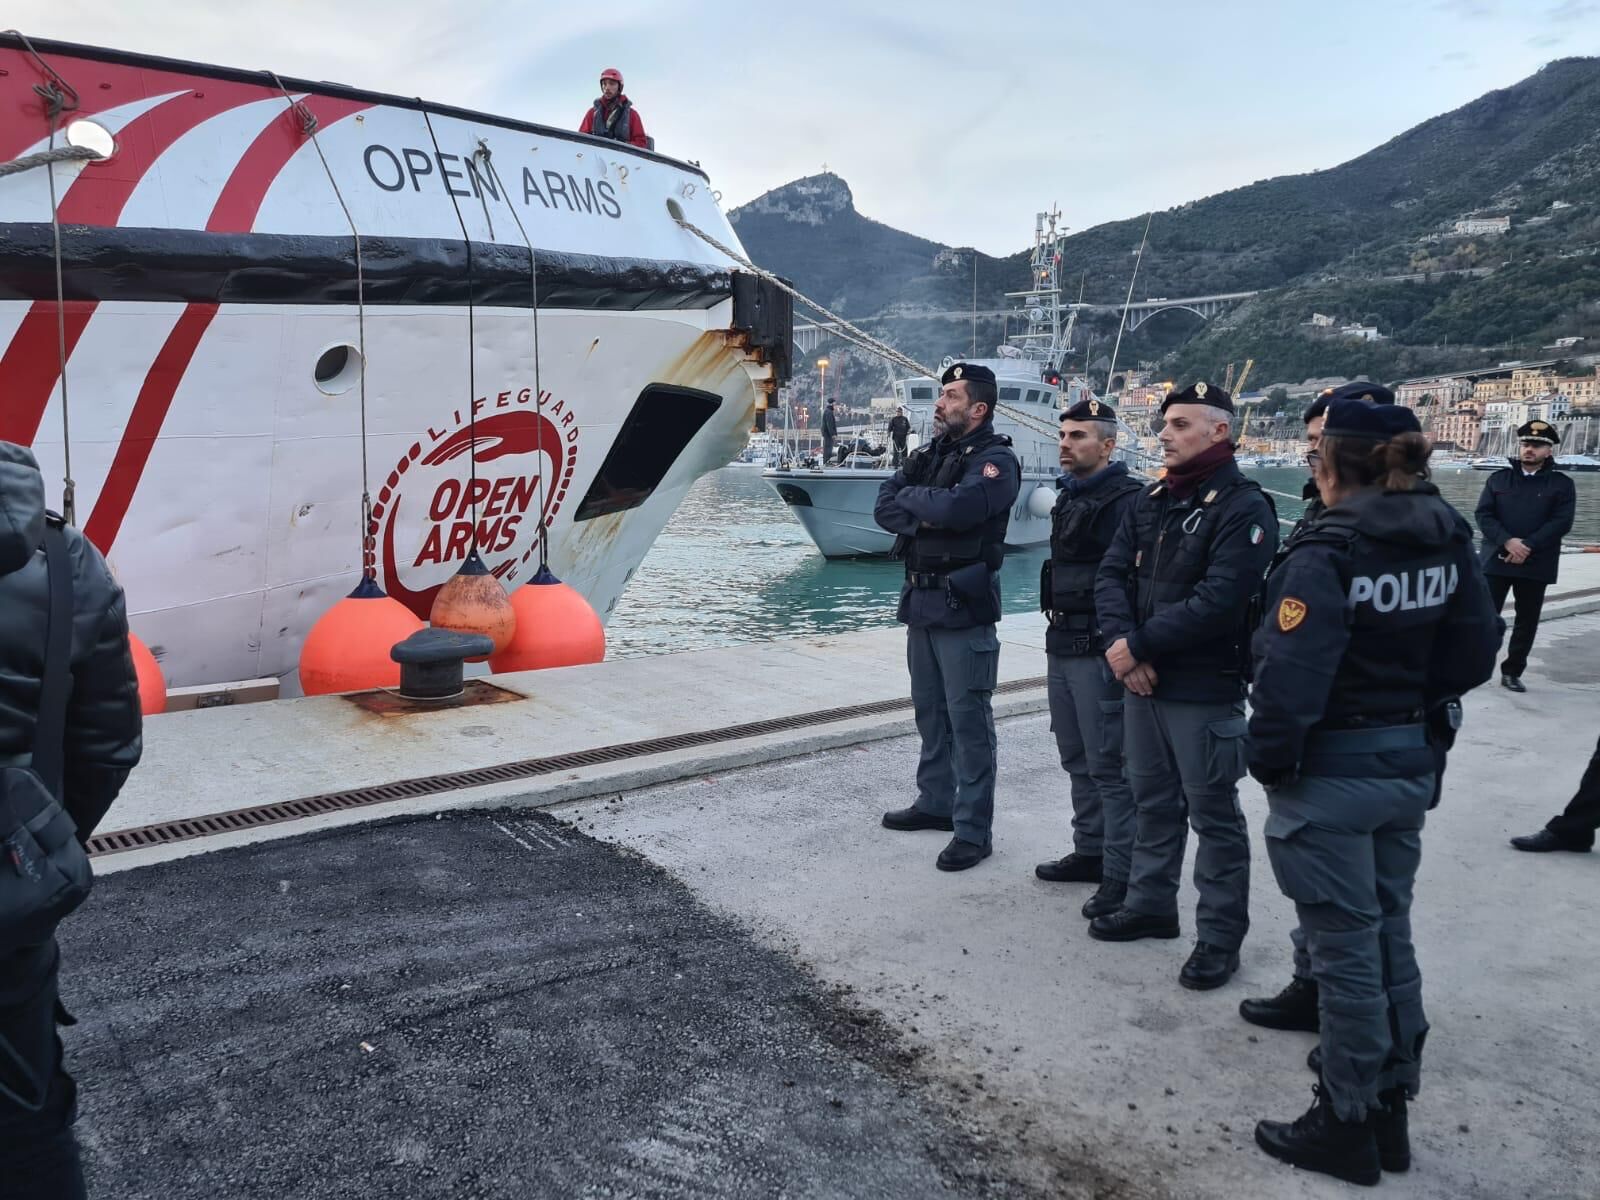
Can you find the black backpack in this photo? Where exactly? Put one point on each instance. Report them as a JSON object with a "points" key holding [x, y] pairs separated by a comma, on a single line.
{"points": [[44, 872]]}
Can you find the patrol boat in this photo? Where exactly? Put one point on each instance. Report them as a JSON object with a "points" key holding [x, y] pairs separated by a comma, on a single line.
{"points": [[301, 329], [834, 503]]}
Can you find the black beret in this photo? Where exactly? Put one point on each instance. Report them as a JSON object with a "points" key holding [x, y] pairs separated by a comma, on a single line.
{"points": [[963, 370], [1090, 410], [1366, 419], [1538, 431], [1200, 393]]}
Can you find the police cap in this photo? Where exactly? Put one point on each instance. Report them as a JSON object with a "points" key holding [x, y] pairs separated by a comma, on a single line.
{"points": [[1538, 431], [1352, 418], [1372, 393], [1199, 392], [971, 371], [1090, 410]]}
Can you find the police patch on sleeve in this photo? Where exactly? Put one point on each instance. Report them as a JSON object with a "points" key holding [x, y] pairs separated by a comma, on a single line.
{"points": [[1256, 534], [990, 471], [1290, 613]]}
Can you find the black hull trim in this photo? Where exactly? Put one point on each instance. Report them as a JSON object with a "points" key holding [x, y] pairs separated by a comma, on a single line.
{"points": [[195, 267]]}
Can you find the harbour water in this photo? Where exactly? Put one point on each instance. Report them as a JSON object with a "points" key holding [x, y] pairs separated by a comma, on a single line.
{"points": [[733, 566]]}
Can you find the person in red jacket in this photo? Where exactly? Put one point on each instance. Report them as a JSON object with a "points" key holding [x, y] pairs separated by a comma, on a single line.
{"points": [[613, 116]]}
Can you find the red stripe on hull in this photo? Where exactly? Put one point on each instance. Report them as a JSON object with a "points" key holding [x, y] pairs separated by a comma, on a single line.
{"points": [[29, 368], [149, 414], [31, 365], [235, 211]]}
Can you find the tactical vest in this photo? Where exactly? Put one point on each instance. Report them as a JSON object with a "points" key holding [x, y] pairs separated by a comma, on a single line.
{"points": [[940, 551], [1076, 548], [1395, 602], [619, 128], [1172, 560]]}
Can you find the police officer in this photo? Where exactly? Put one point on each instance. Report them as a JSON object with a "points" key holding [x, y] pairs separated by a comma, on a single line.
{"points": [[949, 507], [1377, 613], [899, 432], [1085, 697], [1295, 1007], [1173, 595], [1524, 512], [830, 430]]}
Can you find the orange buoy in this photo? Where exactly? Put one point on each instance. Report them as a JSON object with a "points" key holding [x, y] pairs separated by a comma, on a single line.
{"points": [[152, 684], [472, 601], [555, 628], [347, 649]]}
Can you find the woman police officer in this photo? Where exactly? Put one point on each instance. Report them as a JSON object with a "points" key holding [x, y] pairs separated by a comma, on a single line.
{"points": [[1378, 616]]}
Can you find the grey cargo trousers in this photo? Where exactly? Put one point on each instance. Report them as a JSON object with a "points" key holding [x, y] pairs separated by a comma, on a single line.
{"points": [[1184, 763], [1086, 716], [953, 674], [1345, 848]]}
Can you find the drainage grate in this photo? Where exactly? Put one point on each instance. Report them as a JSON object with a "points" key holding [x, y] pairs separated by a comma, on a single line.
{"points": [[528, 768]]}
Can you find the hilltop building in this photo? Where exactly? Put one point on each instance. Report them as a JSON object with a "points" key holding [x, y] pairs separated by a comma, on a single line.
{"points": [[1469, 226]]}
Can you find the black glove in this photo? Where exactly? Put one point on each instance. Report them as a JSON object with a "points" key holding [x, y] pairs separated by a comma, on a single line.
{"points": [[1273, 778]]}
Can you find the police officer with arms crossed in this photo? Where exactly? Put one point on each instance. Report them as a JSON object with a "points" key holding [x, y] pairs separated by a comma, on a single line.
{"points": [[1173, 595], [1378, 613], [1295, 1007], [1524, 512], [949, 507], [1085, 697]]}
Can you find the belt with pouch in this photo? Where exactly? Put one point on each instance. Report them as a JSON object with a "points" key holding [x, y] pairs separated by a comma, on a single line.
{"points": [[1085, 638], [1372, 721], [927, 579]]}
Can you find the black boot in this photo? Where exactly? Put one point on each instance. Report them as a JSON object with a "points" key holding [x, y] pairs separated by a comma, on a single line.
{"points": [[1293, 1008], [1512, 683], [960, 855], [1320, 1141], [1314, 1061], [913, 818], [1125, 925], [1107, 898], [1208, 967], [1074, 868], [1393, 1131]]}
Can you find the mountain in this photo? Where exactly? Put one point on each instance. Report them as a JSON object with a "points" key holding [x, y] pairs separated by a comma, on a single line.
{"points": [[1369, 241]]}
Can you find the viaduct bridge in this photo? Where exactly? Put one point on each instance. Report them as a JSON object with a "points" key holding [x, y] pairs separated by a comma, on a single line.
{"points": [[808, 336]]}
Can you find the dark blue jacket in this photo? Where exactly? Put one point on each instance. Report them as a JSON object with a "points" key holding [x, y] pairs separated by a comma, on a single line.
{"points": [[953, 487], [1179, 579], [1537, 508], [1378, 614]]}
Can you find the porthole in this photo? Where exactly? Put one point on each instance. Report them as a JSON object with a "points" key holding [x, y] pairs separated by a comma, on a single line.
{"points": [[91, 135], [338, 369]]}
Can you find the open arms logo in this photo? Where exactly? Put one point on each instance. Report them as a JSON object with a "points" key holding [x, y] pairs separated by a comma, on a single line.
{"points": [[434, 505]]}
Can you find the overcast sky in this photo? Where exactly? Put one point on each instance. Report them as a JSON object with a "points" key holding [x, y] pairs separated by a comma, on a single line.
{"points": [[956, 121]]}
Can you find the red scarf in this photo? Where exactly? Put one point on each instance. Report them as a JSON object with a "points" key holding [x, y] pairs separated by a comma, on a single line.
{"points": [[1184, 480]]}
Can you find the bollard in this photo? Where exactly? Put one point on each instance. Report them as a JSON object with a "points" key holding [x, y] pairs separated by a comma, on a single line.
{"points": [[430, 662]]}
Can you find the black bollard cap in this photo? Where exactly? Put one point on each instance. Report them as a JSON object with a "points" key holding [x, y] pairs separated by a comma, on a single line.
{"points": [[430, 662], [441, 645]]}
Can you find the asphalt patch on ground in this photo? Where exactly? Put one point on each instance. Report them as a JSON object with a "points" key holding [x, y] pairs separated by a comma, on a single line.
{"points": [[474, 1005]]}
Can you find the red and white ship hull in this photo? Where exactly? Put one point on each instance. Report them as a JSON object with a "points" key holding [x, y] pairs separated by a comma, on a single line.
{"points": [[213, 321]]}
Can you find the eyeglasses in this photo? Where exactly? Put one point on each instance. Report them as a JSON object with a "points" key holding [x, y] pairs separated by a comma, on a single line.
{"points": [[1313, 458]]}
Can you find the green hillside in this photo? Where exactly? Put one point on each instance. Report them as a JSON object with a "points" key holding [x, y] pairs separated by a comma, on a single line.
{"points": [[1370, 241]]}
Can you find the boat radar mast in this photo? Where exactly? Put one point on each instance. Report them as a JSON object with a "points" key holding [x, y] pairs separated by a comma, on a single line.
{"points": [[1047, 335]]}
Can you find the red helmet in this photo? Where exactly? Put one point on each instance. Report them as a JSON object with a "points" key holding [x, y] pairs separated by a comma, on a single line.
{"points": [[611, 73]]}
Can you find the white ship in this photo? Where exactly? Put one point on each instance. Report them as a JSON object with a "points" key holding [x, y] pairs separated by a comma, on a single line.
{"points": [[834, 503], [278, 297]]}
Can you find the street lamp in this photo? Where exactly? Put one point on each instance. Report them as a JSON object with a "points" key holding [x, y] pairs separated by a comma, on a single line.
{"points": [[822, 387]]}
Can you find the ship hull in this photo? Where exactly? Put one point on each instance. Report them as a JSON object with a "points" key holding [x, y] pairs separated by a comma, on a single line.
{"points": [[835, 509], [255, 413]]}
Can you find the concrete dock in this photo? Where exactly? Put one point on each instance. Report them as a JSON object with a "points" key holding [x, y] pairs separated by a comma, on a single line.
{"points": [[705, 969]]}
